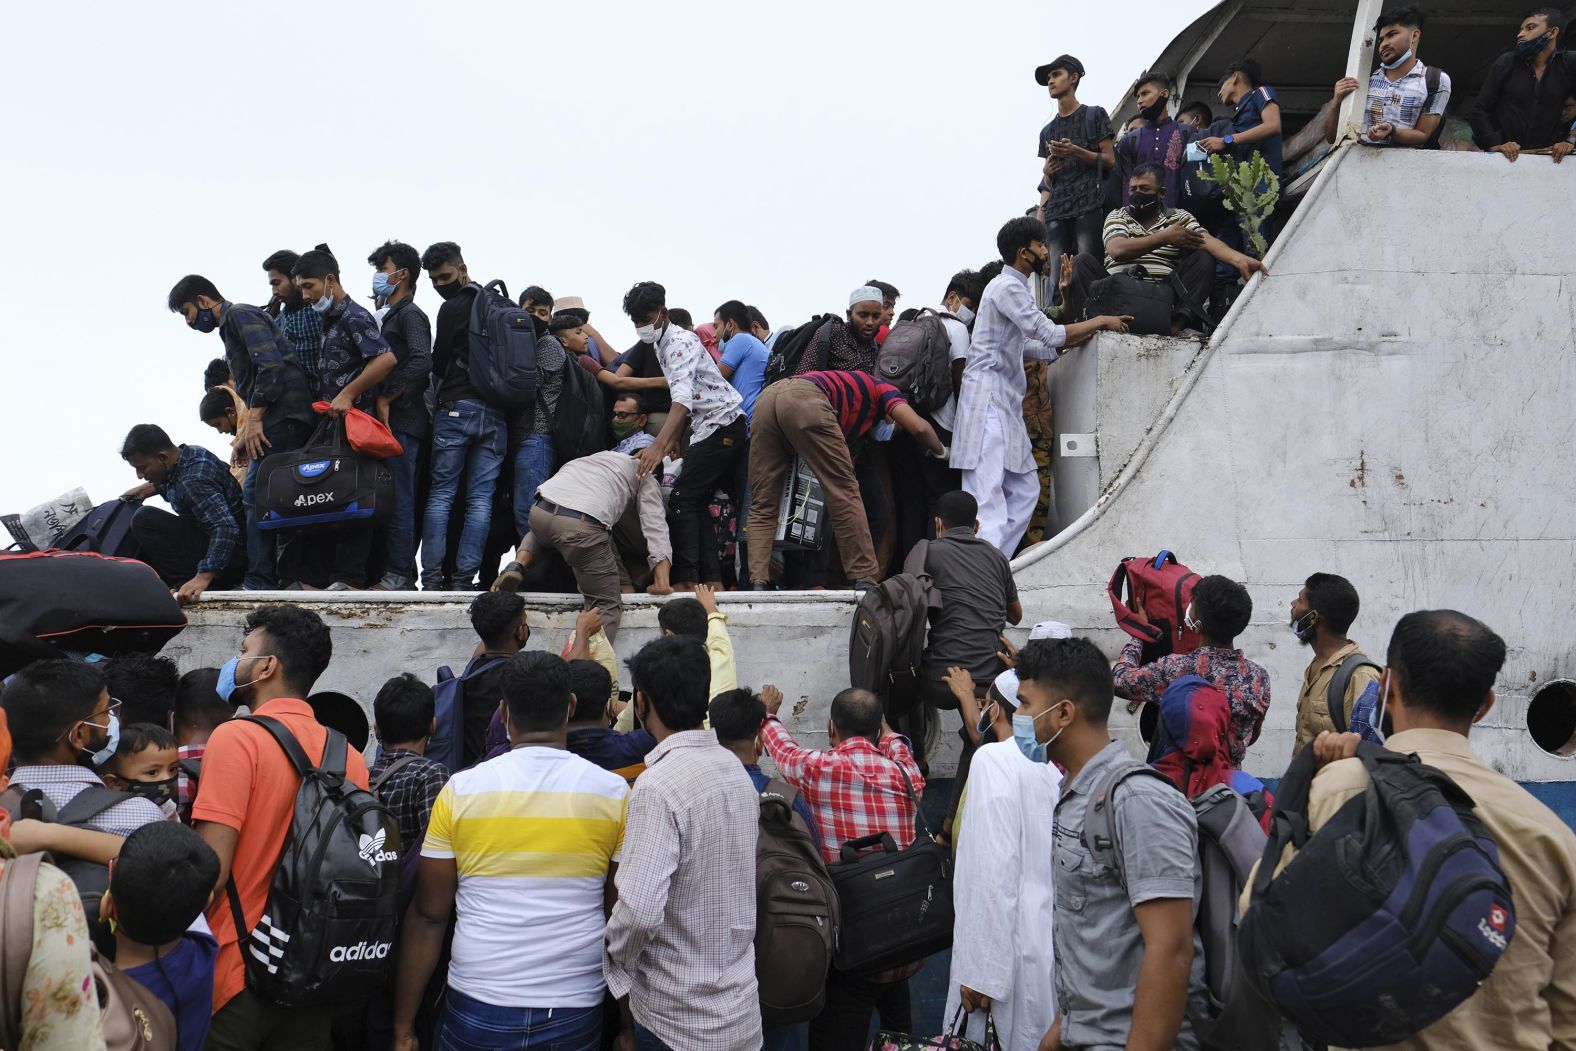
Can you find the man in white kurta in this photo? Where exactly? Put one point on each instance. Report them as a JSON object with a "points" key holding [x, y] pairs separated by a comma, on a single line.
{"points": [[1004, 898]]}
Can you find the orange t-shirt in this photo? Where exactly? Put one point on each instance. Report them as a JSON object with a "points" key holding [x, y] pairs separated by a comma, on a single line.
{"points": [[249, 784]]}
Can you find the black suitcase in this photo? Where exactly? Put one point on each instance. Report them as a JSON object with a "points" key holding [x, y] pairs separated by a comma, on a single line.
{"points": [[105, 531], [323, 485], [896, 904], [54, 601]]}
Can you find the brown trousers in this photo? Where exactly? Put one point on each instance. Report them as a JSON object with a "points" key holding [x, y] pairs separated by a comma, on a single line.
{"points": [[794, 417], [588, 549]]}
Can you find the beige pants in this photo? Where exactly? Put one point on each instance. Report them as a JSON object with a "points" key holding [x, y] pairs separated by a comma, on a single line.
{"points": [[588, 549]]}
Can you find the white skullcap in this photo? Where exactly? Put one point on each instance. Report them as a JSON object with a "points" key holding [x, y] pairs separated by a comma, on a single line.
{"points": [[1050, 629], [866, 294], [568, 303], [1006, 684]]}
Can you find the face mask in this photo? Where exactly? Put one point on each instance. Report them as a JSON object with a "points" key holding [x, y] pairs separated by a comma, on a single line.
{"points": [[883, 431], [646, 333], [624, 428], [1023, 735], [1302, 627], [1152, 114], [227, 684], [324, 305], [1187, 619], [1143, 203], [205, 321], [965, 315], [381, 285], [987, 717], [103, 755], [450, 290], [1528, 49], [158, 792], [1399, 62]]}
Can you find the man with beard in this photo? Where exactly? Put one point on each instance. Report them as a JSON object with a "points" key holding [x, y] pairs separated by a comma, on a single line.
{"points": [[848, 346], [1520, 103], [1160, 140], [1321, 615], [302, 327], [243, 811]]}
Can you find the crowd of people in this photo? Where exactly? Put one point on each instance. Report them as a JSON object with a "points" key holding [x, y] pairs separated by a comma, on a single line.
{"points": [[580, 856]]}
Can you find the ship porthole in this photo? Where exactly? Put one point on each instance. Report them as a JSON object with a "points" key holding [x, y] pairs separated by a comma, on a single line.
{"points": [[1551, 718]]}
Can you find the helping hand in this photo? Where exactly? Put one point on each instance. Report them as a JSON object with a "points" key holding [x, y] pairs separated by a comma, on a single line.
{"points": [[772, 697], [650, 460]]}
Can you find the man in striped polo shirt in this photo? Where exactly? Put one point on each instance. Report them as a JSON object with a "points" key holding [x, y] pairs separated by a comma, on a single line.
{"points": [[1147, 239], [817, 416]]}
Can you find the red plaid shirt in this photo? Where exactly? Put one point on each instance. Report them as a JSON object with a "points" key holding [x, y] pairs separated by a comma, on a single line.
{"points": [[854, 790]]}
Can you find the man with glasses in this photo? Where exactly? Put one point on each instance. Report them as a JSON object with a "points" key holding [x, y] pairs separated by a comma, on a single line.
{"points": [[64, 724]]}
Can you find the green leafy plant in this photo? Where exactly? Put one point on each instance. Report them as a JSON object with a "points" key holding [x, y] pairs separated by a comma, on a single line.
{"points": [[1250, 190]]}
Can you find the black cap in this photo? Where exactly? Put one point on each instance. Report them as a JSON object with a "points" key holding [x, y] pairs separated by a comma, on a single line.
{"points": [[1067, 62]]}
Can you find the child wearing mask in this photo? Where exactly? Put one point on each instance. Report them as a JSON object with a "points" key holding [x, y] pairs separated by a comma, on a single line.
{"points": [[158, 888], [147, 763]]}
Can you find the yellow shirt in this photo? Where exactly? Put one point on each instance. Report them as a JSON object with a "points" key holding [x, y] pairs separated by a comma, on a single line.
{"points": [[1529, 1002], [719, 649], [1313, 708]]}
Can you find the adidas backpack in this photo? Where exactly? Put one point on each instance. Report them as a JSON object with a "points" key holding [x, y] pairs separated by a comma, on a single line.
{"points": [[502, 349], [327, 931], [796, 913], [916, 358], [1390, 915]]}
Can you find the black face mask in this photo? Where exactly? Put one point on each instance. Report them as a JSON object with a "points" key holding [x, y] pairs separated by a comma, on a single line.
{"points": [[450, 290], [1152, 114], [1143, 204], [157, 792]]}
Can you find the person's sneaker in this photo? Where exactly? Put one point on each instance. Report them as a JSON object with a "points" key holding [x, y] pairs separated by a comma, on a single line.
{"points": [[762, 585], [864, 585], [394, 582], [340, 585]]}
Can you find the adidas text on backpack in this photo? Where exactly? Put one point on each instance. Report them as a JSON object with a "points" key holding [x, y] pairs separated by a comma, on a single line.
{"points": [[502, 346], [796, 913], [328, 928]]}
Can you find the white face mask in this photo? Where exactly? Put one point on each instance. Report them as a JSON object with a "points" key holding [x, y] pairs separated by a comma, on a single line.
{"points": [[646, 333], [965, 315]]}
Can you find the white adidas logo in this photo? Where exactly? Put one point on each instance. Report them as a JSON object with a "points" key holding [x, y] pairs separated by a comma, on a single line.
{"points": [[372, 851]]}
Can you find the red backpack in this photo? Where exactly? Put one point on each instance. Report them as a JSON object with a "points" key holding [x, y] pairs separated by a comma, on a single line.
{"points": [[1162, 587]]}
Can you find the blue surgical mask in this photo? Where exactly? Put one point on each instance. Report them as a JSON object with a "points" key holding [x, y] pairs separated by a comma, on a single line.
{"points": [[965, 315], [103, 755], [987, 717], [1023, 735], [205, 321], [227, 684], [381, 285], [1399, 62], [324, 305], [883, 431]]}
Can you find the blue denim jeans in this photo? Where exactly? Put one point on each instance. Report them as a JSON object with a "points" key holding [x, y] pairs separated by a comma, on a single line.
{"points": [[533, 465], [401, 560], [470, 439], [646, 1040], [468, 1024]]}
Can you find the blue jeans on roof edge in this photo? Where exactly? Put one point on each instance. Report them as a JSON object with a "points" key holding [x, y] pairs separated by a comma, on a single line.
{"points": [[469, 1024], [468, 438], [401, 560], [533, 465]]}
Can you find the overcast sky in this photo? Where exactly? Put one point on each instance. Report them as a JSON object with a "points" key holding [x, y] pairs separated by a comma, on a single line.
{"points": [[780, 154]]}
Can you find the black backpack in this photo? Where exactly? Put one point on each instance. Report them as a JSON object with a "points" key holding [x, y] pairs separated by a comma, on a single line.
{"points": [[105, 531], [887, 640], [91, 877], [502, 359], [1335, 696], [327, 931], [789, 347], [916, 358], [1431, 80], [1389, 916], [580, 425], [796, 913]]}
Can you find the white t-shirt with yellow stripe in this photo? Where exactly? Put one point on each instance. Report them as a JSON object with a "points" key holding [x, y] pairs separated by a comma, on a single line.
{"points": [[532, 833]]}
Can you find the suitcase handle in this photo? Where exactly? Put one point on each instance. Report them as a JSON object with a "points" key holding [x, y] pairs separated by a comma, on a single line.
{"points": [[851, 847]]}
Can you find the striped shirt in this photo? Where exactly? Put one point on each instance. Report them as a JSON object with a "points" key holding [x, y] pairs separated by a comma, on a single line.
{"points": [[1403, 102], [859, 399], [532, 834], [1157, 262]]}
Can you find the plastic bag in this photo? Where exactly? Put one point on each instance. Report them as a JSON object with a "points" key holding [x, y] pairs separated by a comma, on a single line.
{"points": [[366, 434]]}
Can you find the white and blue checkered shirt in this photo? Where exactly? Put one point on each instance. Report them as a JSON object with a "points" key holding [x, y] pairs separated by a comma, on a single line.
{"points": [[1403, 102]]}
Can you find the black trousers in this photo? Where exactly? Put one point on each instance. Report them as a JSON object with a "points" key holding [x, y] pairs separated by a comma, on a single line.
{"points": [[174, 546], [918, 481], [844, 1023], [322, 557], [708, 466], [1196, 271]]}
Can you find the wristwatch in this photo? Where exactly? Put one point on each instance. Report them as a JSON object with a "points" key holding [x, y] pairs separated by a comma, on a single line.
{"points": [[1231, 140]]}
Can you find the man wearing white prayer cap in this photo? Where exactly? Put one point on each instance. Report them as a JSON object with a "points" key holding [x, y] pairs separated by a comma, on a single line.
{"points": [[1050, 629]]}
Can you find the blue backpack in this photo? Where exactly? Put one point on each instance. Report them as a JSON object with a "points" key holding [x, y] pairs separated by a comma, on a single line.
{"points": [[1390, 915], [502, 345], [447, 743]]}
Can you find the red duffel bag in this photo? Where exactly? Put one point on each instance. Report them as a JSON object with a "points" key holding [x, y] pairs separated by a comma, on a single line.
{"points": [[54, 601], [366, 434], [1161, 587]]}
